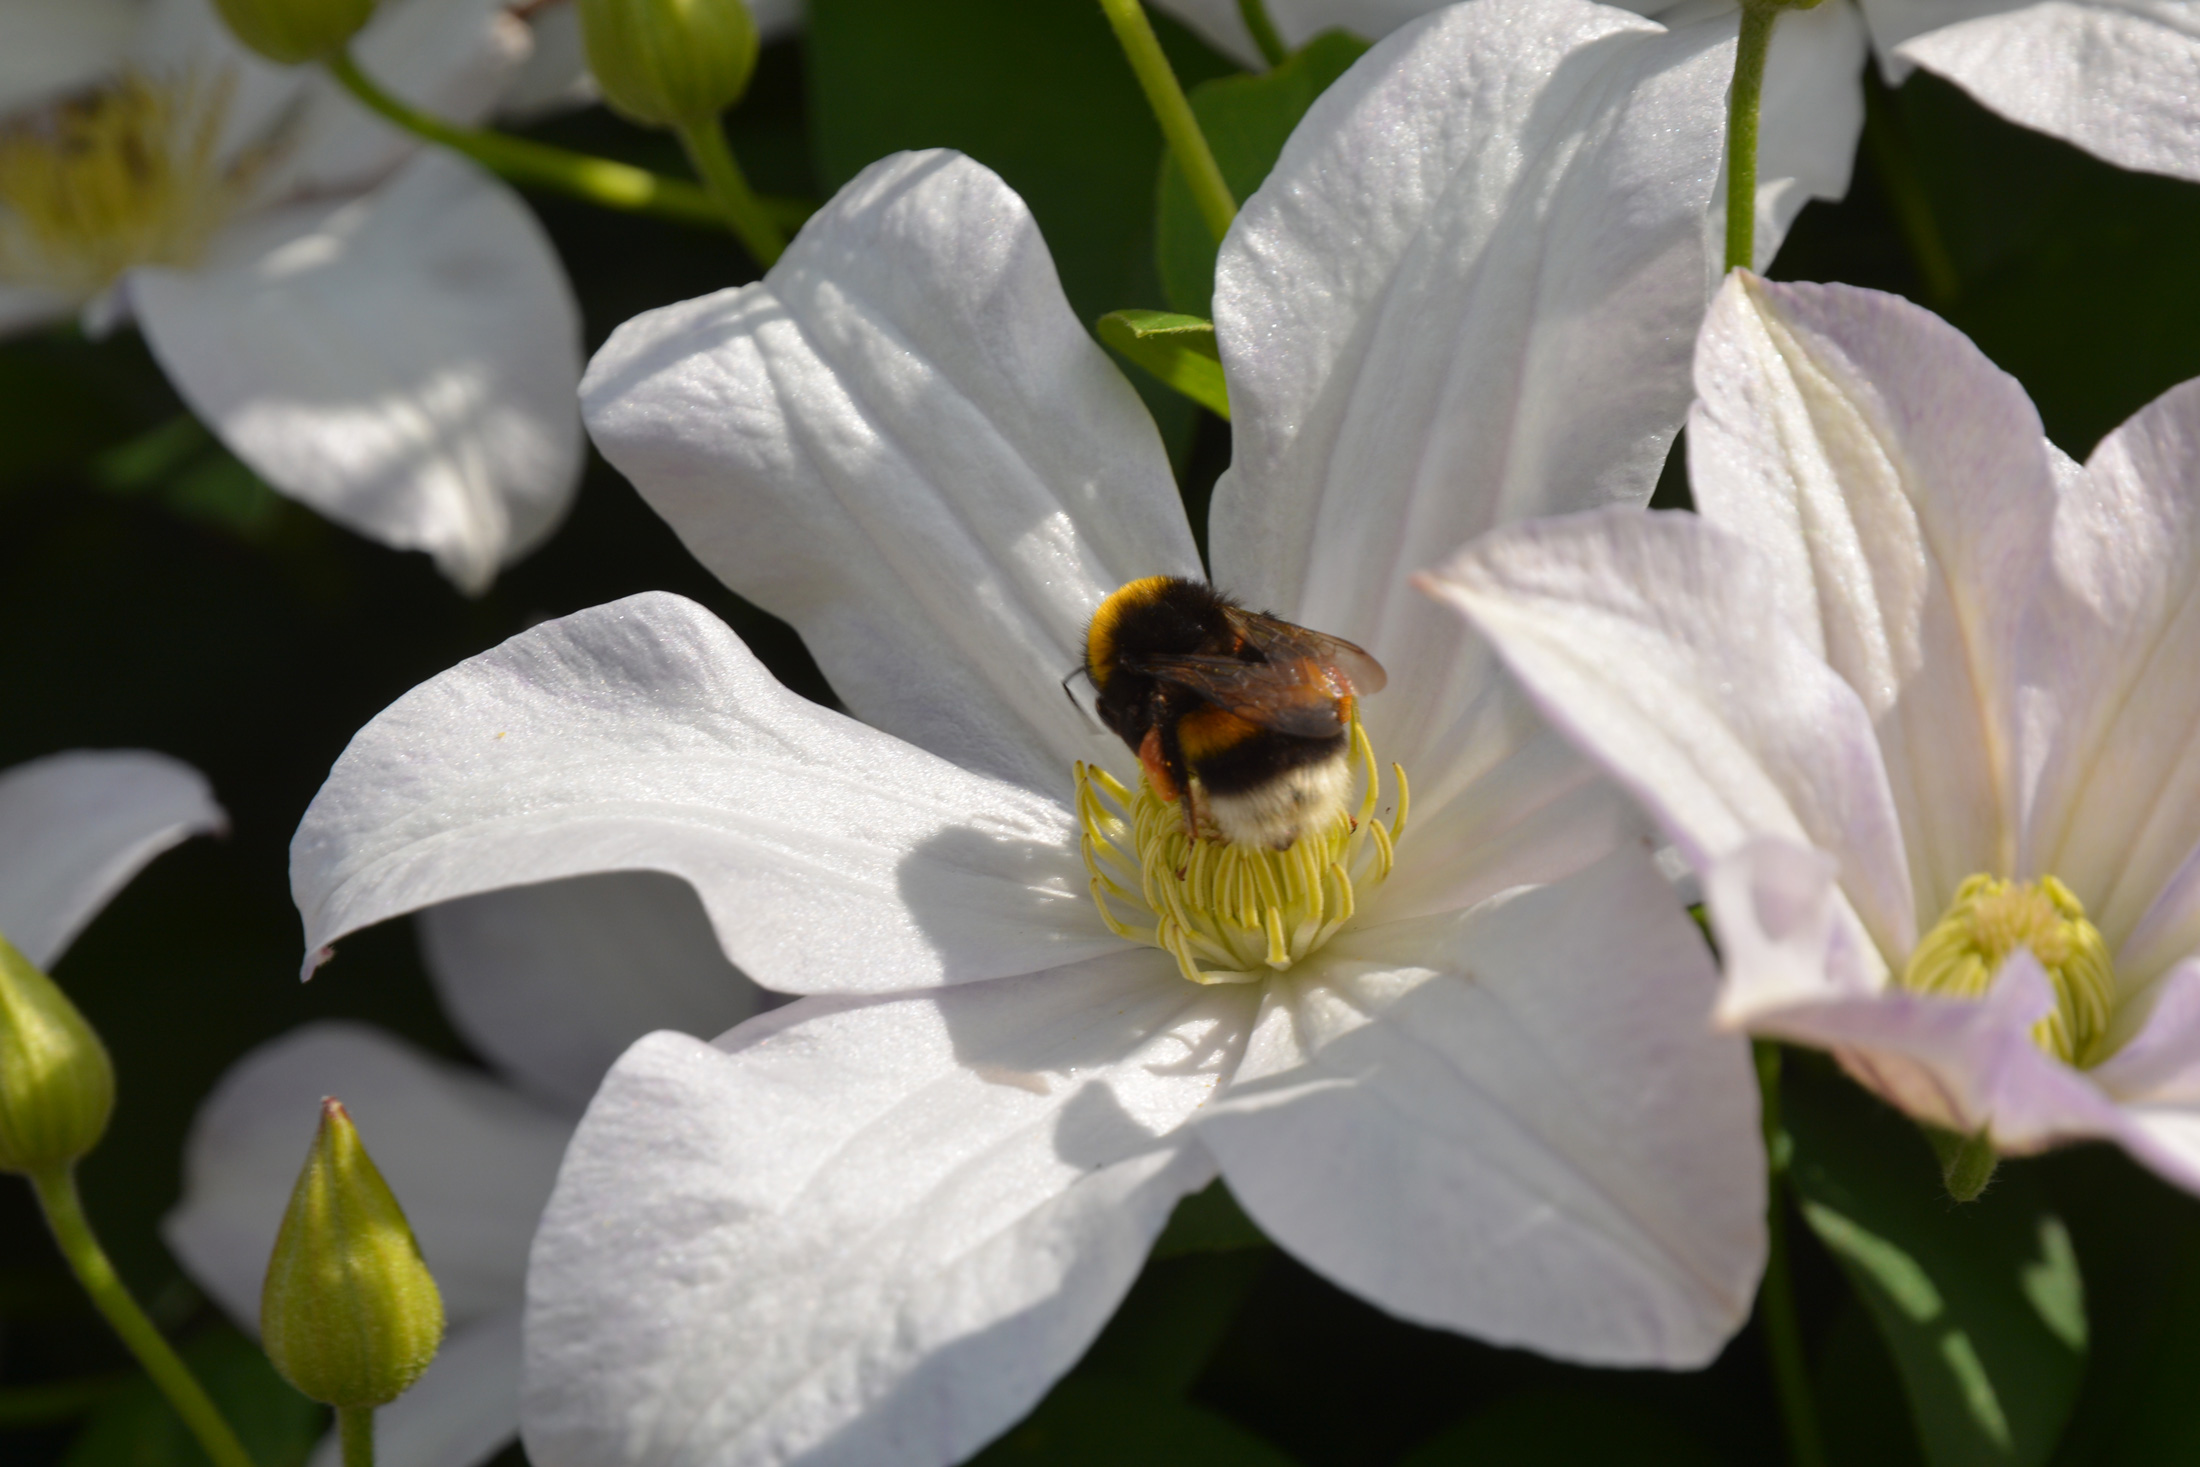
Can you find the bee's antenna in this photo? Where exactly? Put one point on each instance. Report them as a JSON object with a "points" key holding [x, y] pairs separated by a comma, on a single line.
{"points": [[1076, 672]]}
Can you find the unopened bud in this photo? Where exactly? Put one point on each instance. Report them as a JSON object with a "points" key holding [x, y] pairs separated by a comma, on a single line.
{"points": [[349, 1313], [294, 32], [57, 1086], [669, 63]]}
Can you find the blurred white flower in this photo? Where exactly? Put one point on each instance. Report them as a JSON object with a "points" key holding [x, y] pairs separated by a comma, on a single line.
{"points": [[75, 827], [2119, 78], [549, 982], [880, 1222], [380, 332], [1915, 695]]}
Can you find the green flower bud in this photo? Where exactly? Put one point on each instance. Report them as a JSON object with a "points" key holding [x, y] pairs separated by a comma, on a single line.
{"points": [[349, 1313], [294, 32], [57, 1086], [669, 63]]}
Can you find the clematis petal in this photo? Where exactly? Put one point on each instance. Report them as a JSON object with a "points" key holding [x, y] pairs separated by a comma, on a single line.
{"points": [[902, 442], [2159, 1060], [1463, 297], [28, 307], [462, 1412], [50, 47], [643, 736], [1786, 934], [470, 1162], [865, 1229], [404, 363], [2121, 81], [2110, 816], [1513, 1122], [1646, 639], [75, 827], [1897, 484], [553, 981]]}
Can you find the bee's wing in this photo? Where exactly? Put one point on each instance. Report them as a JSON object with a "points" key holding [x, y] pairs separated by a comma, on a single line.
{"points": [[1283, 641], [1298, 697]]}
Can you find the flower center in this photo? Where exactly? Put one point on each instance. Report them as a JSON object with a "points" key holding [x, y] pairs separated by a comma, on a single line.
{"points": [[1990, 919], [1229, 912], [128, 175]]}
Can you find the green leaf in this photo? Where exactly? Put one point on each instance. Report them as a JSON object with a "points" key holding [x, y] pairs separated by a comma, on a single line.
{"points": [[1098, 1421], [1038, 91], [1174, 1318], [181, 466], [1179, 350], [1563, 1429], [1208, 1221], [1247, 120], [1980, 1304], [136, 1427]]}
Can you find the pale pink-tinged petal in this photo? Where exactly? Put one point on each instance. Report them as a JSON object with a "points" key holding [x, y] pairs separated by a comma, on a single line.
{"points": [[462, 1412], [2158, 1060], [403, 363], [1463, 297], [554, 981], [470, 1162], [643, 736], [1648, 639], [75, 827], [2120, 80], [1786, 934], [50, 47], [903, 442], [2112, 815], [1513, 1122], [865, 1230], [1897, 484]]}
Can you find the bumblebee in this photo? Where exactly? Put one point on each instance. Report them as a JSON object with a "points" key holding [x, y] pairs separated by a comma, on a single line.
{"points": [[1243, 717]]}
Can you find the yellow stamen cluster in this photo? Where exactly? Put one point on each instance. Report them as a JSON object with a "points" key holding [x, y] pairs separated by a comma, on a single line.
{"points": [[1229, 913], [1991, 918], [131, 174]]}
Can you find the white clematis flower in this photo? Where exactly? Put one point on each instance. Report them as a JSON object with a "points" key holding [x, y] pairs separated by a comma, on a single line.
{"points": [[380, 332], [1910, 695], [877, 1224], [2118, 78], [75, 827], [551, 982]]}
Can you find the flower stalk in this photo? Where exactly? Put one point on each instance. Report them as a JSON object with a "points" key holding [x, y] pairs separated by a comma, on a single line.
{"points": [[592, 180], [737, 203], [1174, 112], [355, 1431], [72, 1230], [1744, 103], [1265, 35], [1776, 1300]]}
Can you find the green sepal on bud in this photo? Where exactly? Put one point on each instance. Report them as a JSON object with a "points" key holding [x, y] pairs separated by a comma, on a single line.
{"points": [[294, 32], [57, 1086], [669, 63], [350, 1314]]}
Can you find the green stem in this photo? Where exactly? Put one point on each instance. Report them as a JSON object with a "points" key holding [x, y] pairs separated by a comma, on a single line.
{"points": [[56, 1400], [1743, 105], [57, 1194], [1913, 213], [519, 160], [1265, 34], [1776, 1300], [355, 1430], [706, 149], [1174, 113]]}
